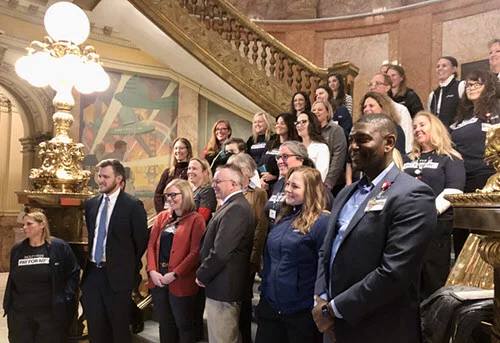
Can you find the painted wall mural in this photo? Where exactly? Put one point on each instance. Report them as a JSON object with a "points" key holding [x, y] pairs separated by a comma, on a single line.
{"points": [[140, 111]]}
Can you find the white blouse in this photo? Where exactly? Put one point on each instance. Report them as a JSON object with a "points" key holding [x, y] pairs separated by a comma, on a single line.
{"points": [[320, 155]]}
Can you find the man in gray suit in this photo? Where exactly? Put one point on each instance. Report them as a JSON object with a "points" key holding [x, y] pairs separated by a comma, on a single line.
{"points": [[225, 256], [380, 227]]}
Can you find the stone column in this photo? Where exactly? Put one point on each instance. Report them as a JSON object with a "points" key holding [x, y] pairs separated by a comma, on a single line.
{"points": [[187, 117], [29, 148]]}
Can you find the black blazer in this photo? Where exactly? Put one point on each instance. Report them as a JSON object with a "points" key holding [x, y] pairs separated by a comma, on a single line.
{"points": [[127, 238], [226, 249], [375, 274]]}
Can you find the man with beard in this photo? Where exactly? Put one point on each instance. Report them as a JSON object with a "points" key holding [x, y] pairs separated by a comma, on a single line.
{"points": [[380, 227], [117, 236]]}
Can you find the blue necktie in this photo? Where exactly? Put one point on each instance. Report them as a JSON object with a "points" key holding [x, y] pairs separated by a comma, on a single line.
{"points": [[101, 233]]}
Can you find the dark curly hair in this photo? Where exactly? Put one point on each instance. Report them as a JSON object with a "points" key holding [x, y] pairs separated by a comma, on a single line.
{"points": [[487, 100], [314, 128]]}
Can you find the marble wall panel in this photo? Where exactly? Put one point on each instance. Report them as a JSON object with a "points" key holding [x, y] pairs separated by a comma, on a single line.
{"points": [[467, 38], [366, 52], [415, 44]]}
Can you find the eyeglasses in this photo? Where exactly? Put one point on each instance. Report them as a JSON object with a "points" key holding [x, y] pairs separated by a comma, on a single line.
{"points": [[221, 129], [475, 85], [284, 157], [300, 122], [218, 182], [376, 83], [171, 195]]}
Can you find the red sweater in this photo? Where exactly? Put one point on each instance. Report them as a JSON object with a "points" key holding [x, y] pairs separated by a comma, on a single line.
{"points": [[184, 254]]}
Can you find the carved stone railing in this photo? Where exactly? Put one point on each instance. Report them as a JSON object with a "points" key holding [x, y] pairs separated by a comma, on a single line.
{"points": [[248, 58]]}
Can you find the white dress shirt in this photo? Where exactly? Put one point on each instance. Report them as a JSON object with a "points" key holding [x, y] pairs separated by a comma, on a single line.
{"points": [[111, 205]]}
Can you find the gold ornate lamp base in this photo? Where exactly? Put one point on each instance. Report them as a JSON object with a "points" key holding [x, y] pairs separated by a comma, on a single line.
{"points": [[61, 170]]}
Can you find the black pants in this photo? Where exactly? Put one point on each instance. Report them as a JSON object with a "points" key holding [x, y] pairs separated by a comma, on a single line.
{"points": [[34, 327], [436, 266], [176, 316], [245, 322], [200, 309], [285, 328], [107, 311]]}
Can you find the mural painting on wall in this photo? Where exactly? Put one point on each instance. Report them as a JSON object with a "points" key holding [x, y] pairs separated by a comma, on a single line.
{"points": [[139, 111]]}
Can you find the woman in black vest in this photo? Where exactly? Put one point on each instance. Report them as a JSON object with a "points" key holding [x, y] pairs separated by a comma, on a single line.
{"points": [[443, 101]]}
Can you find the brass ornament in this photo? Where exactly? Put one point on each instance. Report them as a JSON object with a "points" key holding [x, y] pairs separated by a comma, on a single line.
{"points": [[492, 157]]}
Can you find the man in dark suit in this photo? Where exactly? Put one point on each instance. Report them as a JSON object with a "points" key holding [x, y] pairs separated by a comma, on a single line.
{"points": [[118, 236], [225, 256], [380, 227]]}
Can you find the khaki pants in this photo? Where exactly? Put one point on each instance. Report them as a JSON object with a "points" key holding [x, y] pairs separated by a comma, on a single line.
{"points": [[222, 320]]}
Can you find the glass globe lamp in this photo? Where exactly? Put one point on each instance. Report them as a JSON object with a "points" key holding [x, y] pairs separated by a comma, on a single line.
{"points": [[65, 21]]}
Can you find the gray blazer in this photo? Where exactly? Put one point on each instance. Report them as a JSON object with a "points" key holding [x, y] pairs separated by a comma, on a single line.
{"points": [[225, 252], [374, 278]]}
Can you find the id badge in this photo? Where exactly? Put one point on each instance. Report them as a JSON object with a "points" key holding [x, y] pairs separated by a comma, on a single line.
{"points": [[272, 214], [375, 205], [485, 127]]}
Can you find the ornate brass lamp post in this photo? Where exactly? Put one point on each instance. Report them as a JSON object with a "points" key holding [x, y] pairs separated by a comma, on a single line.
{"points": [[59, 185], [59, 61]]}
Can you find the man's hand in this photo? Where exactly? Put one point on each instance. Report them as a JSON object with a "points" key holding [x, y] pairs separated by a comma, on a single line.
{"points": [[324, 323], [199, 283]]}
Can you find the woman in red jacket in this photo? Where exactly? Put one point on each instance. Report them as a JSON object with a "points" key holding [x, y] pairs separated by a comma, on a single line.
{"points": [[173, 257]]}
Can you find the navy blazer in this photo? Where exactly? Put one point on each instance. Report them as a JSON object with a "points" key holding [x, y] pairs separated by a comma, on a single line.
{"points": [[374, 278], [127, 238]]}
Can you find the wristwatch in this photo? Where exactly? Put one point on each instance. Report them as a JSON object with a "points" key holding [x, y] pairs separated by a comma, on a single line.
{"points": [[325, 311], [175, 275]]}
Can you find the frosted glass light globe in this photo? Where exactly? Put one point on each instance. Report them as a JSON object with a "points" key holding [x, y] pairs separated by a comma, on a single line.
{"points": [[66, 71], [24, 67], [67, 22]]}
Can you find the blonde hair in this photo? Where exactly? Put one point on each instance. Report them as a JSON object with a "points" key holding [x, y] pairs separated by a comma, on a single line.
{"points": [[328, 107], [314, 200], [205, 166], [187, 194], [40, 217], [440, 138], [397, 158], [270, 122]]}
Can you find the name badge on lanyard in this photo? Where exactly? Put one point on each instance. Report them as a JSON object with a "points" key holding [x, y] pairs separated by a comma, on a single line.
{"points": [[485, 127], [375, 205]]}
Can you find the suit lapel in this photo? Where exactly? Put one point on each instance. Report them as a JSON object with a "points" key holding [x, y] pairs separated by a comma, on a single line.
{"points": [[332, 223], [360, 213], [230, 200], [116, 210]]}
